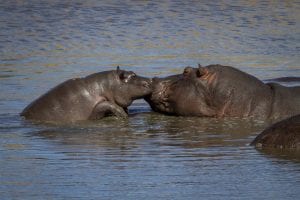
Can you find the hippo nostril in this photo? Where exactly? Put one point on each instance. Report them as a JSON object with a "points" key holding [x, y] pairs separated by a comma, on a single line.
{"points": [[147, 83], [187, 71]]}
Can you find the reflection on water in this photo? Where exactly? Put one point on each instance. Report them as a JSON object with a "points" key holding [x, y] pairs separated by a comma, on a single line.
{"points": [[149, 155], [282, 154], [163, 130]]}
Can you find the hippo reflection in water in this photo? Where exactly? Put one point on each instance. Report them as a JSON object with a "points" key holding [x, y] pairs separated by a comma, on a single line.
{"points": [[222, 91], [93, 97]]}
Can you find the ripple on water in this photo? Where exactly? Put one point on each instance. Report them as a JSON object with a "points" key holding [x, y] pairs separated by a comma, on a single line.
{"points": [[147, 156]]}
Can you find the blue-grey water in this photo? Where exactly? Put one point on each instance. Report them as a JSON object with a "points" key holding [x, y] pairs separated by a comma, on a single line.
{"points": [[148, 156]]}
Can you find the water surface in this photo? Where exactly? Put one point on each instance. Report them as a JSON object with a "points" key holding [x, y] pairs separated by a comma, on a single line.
{"points": [[149, 156]]}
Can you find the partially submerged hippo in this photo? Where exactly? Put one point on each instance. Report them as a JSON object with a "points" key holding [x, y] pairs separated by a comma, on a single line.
{"points": [[284, 135], [93, 97], [287, 79], [221, 91]]}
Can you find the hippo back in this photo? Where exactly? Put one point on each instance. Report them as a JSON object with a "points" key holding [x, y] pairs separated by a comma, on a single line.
{"points": [[286, 101], [69, 101]]}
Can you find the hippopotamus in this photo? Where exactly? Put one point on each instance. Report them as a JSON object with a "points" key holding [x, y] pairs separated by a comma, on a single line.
{"points": [[222, 91], [93, 97], [287, 79], [284, 134]]}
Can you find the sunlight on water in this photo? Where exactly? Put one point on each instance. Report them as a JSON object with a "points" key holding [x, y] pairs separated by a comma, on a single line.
{"points": [[149, 155]]}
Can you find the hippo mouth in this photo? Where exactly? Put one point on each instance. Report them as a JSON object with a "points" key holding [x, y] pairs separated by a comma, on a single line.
{"points": [[159, 99]]}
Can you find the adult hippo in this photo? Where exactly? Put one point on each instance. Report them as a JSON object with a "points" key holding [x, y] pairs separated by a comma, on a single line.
{"points": [[93, 97], [222, 91], [284, 135]]}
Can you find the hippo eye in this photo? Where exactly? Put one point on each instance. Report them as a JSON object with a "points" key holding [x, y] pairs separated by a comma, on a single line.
{"points": [[128, 78], [131, 76], [123, 76]]}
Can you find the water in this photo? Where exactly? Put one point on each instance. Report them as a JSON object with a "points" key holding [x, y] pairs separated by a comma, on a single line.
{"points": [[148, 156]]}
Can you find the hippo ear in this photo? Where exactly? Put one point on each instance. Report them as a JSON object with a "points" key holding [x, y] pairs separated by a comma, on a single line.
{"points": [[125, 76], [121, 74], [202, 71], [187, 71]]}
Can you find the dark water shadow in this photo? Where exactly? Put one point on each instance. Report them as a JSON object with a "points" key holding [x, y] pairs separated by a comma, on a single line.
{"points": [[235, 128], [154, 130], [109, 133], [187, 132], [281, 154]]}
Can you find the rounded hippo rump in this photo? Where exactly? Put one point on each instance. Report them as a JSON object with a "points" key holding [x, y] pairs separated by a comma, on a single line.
{"points": [[222, 91], [284, 135], [93, 97]]}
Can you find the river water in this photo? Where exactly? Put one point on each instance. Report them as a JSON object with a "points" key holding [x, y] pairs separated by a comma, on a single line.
{"points": [[148, 156]]}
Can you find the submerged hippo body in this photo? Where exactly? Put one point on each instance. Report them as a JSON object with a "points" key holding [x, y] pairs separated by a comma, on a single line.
{"points": [[93, 97], [222, 91], [287, 79], [284, 135]]}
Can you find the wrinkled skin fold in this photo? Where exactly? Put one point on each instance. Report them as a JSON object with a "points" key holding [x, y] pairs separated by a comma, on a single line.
{"points": [[93, 97], [222, 91]]}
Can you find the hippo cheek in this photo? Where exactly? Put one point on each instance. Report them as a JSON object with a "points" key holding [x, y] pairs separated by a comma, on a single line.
{"points": [[127, 94]]}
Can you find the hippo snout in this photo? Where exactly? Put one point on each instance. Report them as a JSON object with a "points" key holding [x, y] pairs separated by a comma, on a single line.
{"points": [[147, 83]]}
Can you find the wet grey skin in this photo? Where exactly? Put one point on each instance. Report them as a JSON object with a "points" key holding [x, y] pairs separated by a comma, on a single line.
{"points": [[158, 99], [222, 91], [93, 97], [284, 134]]}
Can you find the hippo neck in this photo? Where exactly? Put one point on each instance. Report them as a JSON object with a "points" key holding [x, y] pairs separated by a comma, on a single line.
{"points": [[101, 84], [285, 102]]}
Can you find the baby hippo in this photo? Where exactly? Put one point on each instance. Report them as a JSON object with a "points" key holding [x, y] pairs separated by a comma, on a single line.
{"points": [[222, 91], [93, 97], [283, 135]]}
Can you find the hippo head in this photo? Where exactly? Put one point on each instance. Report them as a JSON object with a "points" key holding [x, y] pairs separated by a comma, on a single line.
{"points": [[130, 87], [183, 94], [158, 99]]}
